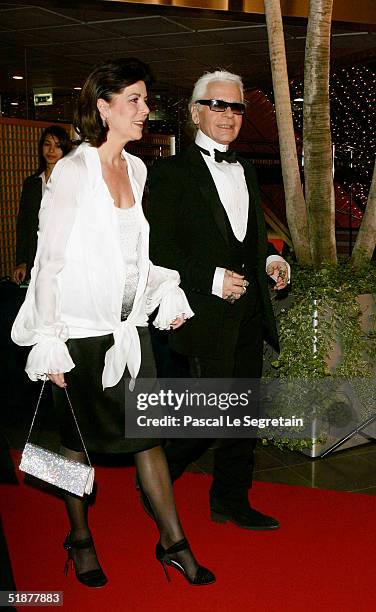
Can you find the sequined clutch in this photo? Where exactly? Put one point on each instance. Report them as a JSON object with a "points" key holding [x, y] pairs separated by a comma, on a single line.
{"points": [[75, 477]]}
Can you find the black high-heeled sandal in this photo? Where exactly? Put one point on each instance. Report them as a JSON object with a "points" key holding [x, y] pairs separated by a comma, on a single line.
{"points": [[93, 578], [165, 556]]}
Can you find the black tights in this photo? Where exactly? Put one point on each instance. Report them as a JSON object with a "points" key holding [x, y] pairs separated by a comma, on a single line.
{"points": [[154, 479]]}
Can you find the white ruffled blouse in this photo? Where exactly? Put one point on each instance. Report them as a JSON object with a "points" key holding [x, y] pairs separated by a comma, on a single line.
{"points": [[77, 282]]}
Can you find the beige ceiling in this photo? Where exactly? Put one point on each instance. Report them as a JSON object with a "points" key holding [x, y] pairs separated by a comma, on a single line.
{"points": [[55, 43]]}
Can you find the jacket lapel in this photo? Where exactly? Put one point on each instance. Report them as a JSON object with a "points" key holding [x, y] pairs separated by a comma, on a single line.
{"points": [[203, 179]]}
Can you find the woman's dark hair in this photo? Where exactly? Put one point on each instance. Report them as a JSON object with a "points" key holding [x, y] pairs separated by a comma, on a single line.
{"points": [[65, 143], [104, 82]]}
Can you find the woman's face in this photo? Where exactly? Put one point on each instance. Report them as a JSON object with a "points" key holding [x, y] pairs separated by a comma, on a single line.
{"points": [[127, 112], [52, 151]]}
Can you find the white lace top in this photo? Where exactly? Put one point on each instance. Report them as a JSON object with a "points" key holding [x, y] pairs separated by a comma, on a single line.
{"points": [[129, 229]]}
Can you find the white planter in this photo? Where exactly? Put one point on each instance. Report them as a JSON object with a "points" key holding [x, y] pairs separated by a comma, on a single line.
{"points": [[332, 431]]}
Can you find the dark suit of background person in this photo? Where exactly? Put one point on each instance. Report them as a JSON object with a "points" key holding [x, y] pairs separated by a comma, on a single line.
{"points": [[27, 222], [54, 143], [190, 232]]}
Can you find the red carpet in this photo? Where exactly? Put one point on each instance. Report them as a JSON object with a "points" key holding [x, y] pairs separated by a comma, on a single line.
{"points": [[322, 559]]}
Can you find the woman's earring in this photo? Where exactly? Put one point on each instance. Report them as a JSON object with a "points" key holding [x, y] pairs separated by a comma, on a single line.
{"points": [[104, 122]]}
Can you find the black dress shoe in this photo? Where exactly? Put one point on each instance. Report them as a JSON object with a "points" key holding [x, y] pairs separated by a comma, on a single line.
{"points": [[245, 517]]}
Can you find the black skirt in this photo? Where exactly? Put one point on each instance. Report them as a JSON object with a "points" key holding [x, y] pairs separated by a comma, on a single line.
{"points": [[100, 413]]}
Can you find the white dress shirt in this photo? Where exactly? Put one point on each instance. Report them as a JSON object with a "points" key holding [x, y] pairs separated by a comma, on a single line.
{"points": [[232, 189], [44, 182], [77, 282]]}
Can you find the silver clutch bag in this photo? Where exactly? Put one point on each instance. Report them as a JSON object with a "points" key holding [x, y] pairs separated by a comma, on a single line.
{"points": [[72, 476]]}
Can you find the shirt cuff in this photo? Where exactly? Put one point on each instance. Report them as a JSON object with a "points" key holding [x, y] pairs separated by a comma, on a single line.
{"points": [[272, 258], [49, 356], [217, 286], [172, 305]]}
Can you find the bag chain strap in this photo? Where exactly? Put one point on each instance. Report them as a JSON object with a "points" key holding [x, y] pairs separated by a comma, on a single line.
{"points": [[74, 417]]}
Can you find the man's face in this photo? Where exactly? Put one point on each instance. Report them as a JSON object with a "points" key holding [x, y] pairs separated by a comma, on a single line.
{"points": [[221, 127]]}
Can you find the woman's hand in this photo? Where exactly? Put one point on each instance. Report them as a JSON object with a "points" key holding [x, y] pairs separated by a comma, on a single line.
{"points": [[178, 322], [58, 379]]}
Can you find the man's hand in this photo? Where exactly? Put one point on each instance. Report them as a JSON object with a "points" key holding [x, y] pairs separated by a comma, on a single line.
{"points": [[19, 273], [234, 286], [278, 270], [58, 379]]}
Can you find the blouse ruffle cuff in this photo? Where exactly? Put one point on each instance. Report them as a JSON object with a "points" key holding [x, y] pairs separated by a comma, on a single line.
{"points": [[172, 305], [49, 356]]}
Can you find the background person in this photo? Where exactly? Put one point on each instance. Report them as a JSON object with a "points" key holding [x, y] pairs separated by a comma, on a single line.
{"points": [[87, 304], [53, 144]]}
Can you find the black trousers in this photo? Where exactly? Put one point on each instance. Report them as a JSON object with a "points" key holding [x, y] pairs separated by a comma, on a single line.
{"points": [[233, 457]]}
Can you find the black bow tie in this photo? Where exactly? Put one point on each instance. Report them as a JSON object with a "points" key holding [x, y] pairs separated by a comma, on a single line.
{"points": [[229, 156], [220, 156]]}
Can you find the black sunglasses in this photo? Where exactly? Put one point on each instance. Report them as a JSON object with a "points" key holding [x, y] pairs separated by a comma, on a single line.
{"points": [[219, 106]]}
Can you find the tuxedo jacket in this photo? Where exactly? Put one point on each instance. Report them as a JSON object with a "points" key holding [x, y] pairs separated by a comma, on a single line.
{"points": [[189, 233], [27, 221]]}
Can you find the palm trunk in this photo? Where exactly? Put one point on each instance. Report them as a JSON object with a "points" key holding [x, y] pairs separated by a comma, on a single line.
{"points": [[319, 189], [366, 239], [295, 205]]}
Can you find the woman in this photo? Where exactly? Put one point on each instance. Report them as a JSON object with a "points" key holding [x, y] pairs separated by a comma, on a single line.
{"points": [[53, 144], [86, 308]]}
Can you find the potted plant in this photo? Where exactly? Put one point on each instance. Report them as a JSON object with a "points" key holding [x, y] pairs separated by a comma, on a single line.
{"points": [[327, 366]]}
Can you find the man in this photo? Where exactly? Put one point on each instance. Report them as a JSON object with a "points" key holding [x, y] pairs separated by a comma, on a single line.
{"points": [[206, 222]]}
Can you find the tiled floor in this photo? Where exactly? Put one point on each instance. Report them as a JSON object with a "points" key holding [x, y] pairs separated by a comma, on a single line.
{"points": [[353, 469]]}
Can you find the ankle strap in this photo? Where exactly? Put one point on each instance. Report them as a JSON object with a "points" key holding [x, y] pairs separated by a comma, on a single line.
{"points": [[78, 544], [178, 547], [82, 543]]}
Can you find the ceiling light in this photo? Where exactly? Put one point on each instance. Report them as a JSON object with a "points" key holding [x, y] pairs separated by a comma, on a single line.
{"points": [[17, 77], [14, 103], [298, 100], [77, 88]]}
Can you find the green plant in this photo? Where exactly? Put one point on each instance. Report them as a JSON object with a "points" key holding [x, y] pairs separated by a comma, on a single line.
{"points": [[324, 311]]}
